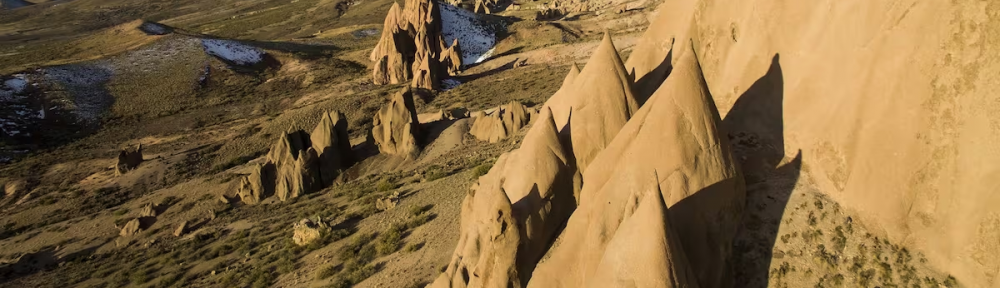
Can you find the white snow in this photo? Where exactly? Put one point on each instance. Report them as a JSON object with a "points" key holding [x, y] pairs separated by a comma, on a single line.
{"points": [[17, 84], [475, 39], [448, 84], [233, 51]]}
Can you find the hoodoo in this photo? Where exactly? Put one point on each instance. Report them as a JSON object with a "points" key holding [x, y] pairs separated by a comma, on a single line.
{"points": [[677, 135], [396, 129]]}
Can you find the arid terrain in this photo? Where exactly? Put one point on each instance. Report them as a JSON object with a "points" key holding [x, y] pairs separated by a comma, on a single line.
{"points": [[499, 143]]}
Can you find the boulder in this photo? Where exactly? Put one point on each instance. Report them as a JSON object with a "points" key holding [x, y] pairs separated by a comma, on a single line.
{"points": [[128, 159], [505, 120], [393, 52], [396, 129], [181, 229], [388, 202], [306, 231], [678, 136], [130, 229], [147, 211], [332, 143]]}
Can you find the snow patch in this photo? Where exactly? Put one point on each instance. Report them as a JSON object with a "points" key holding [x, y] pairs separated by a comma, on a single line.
{"points": [[154, 28], [233, 51], [17, 84], [448, 84], [474, 37]]}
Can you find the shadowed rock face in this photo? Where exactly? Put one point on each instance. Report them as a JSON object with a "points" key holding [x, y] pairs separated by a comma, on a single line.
{"points": [[505, 120], [396, 129], [531, 190], [333, 144], [409, 48], [128, 159]]}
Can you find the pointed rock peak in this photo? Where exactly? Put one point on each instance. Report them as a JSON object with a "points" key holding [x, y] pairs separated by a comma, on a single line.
{"points": [[606, 52], [574, 71]]}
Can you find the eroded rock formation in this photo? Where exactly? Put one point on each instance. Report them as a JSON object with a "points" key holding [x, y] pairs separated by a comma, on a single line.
{"points": [[602, 103], [396, 129], [301, 163], [513, 213], [409, 48], [505, 120], [451, 58], [677, 136], [332, 143], [128, 159]]}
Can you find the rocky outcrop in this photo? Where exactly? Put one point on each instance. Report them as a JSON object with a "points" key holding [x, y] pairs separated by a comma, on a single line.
{"points": [[392, 55], [297, 166], [300, 163], [128, 159], [505, 120], [409, 47], [482, 7], [181, 229], [388, 202], [451, 58], [130, 229], [332, 143], [426, 72], [396, 129], [513, 213], [258, 185], [677, 136], [307, 231]]}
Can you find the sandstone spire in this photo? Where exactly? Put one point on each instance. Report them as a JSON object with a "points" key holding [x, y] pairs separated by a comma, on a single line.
{"points": [[331, 142], [603, 103], [677, 131], [396, 129], [531, 190]]}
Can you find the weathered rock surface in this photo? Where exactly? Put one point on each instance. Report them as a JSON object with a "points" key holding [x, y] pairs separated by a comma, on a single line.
{"points": [[181, 229], [388, 202], [296, 164], [396, 129], [307, 231], [602, 103], [501, 241], [332, 143], [130, 229], [258, 185], [410, 47], [128, 159], [393, 53], [505, 120], [451, 58], [676, 136]]}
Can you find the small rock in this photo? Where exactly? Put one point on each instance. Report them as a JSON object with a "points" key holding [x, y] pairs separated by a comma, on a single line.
{"points": [[181, 229]]}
